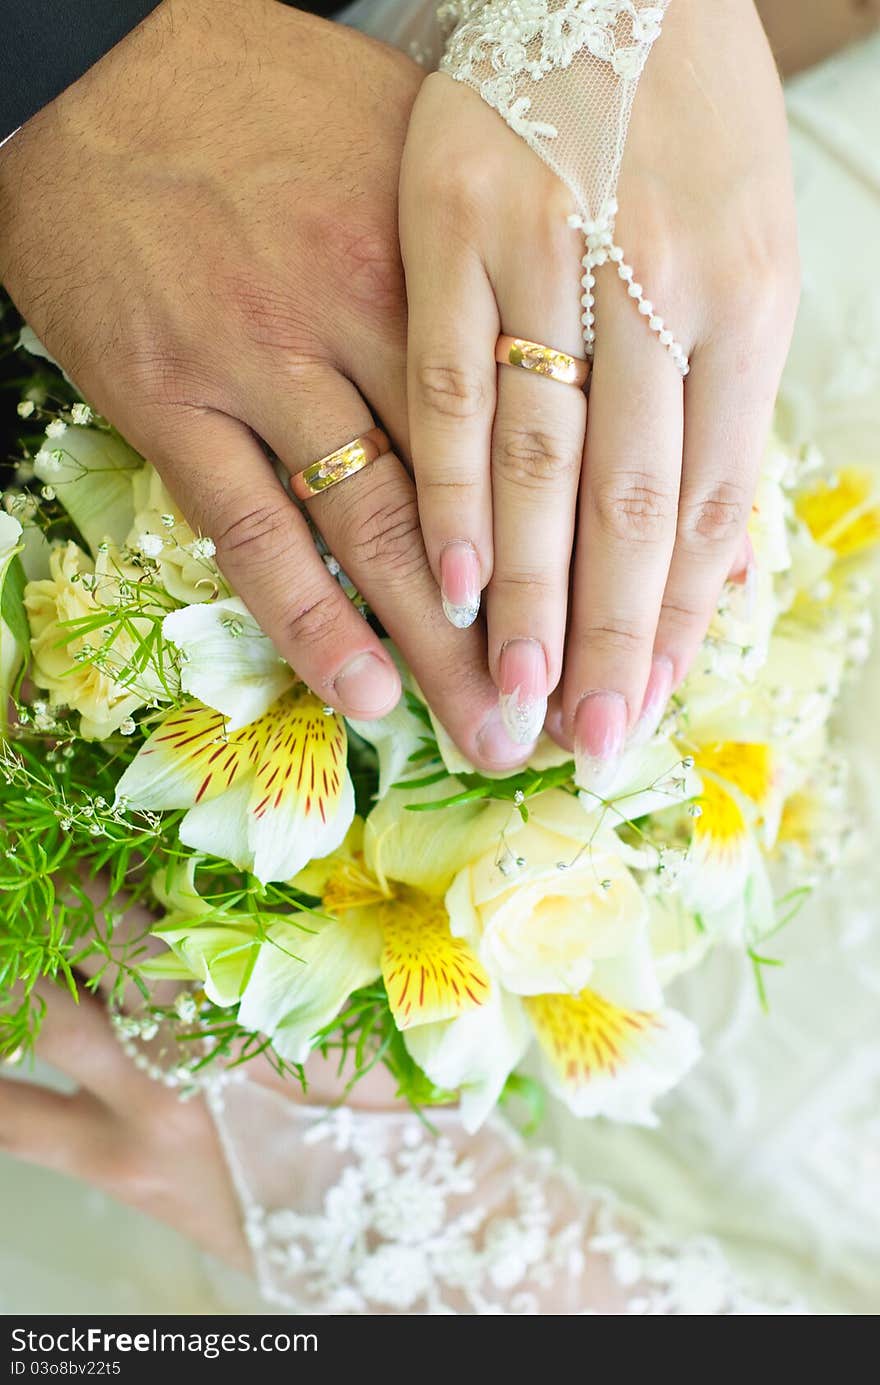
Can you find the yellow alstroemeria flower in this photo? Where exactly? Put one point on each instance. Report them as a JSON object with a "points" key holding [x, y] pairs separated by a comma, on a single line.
{"points": [[607, 1060], [257, 759], [738, 780], [543, 912], [843, 514], [429, 974], [733, 823], [369, 927]]}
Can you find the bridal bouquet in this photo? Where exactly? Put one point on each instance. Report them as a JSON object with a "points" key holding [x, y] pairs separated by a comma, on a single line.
{"points": [[358, 887]]}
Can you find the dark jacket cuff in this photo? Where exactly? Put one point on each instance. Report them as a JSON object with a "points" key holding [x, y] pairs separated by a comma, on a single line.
{"points": [[46, 44]]}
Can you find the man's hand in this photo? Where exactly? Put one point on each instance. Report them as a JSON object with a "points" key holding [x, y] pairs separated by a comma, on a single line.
{"points": [[203, 230]]}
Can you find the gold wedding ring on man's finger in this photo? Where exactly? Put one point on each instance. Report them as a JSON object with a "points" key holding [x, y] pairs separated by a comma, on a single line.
{"points": [[339, 465], [543, 360]]}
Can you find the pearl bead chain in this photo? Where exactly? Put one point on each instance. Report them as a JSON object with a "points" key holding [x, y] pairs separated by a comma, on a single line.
{"points": [[601, 249], [129, 1030]]}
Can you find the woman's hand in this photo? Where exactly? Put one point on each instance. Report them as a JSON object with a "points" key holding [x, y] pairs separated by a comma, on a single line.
{"points": [[669, 469], [125, 1133], [121, 1131]]}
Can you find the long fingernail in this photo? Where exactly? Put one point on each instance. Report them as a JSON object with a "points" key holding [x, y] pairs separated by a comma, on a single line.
{"points": [[522, 694], [460, 583], [495, 746], [599, 737], [367, 687], [656, 700]]}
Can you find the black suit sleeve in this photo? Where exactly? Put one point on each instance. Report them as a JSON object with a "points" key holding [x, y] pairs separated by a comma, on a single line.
{"points": [[46, 44]]}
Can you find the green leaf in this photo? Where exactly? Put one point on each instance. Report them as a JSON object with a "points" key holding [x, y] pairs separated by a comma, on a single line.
{"points": [[422, 783], [12, 610], [418, 709], [533, 1096], [482, 791]]}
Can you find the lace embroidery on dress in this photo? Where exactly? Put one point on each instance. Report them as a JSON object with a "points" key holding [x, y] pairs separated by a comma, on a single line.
{"points": [[367, 1212], [563, 74]]}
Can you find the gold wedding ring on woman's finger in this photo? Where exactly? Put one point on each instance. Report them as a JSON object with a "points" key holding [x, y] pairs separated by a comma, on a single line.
{"points": [[339, 465], [543, 360]]}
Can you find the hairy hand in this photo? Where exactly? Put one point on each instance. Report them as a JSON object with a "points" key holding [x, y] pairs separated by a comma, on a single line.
{"points": [[203, 231]]}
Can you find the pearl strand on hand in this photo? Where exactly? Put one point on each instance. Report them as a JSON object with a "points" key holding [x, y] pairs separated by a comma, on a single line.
{"points": [[601, 249]]}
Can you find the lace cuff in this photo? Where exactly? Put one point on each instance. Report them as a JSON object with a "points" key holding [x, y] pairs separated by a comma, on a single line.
{"points": [[564, 74]]}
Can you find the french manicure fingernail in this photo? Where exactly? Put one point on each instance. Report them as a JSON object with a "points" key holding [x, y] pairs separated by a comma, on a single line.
{"points": [[599, 737], [656, 699], [367, 687], [495, 746], [522, 693], [460, 583]]}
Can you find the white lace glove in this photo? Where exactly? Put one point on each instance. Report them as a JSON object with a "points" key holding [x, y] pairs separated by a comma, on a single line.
{"points": [[563, 74], [658, 481], [369, 1212]]}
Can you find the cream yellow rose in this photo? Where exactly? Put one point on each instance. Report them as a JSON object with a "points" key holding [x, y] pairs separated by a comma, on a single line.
{"points": [[102, 702], [543, 909], [160, 532]]}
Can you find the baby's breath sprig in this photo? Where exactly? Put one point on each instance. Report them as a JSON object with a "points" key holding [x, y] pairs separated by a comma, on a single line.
{"points": [[69, 853], [128, 616]]}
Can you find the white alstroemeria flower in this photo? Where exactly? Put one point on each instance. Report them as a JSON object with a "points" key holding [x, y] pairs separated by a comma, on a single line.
{"points": [[648, 778], [788, 700], [303, 977], [258, 760], [600, 1058], [474, 1053], [184, 563], [91, 470], [738, 806], [227, 661]]}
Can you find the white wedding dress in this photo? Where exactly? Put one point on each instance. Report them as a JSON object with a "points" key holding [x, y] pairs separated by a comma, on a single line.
{"points": [[765, 1169]]}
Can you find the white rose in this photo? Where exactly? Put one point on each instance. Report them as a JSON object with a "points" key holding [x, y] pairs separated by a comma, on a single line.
{"points": [[541, 927]]}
